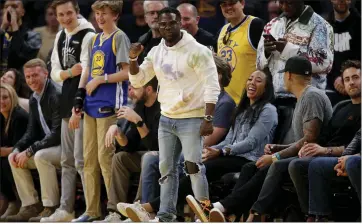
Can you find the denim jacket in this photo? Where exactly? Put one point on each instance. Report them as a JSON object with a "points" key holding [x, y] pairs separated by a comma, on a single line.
{"points": [[248, 140]]}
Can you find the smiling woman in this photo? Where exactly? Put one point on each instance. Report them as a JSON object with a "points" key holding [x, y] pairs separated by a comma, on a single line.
{"points": [[15, 79], [13, 123]]}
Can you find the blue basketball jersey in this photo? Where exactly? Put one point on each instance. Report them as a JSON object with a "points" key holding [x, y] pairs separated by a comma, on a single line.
{"points": [[103, 61]]}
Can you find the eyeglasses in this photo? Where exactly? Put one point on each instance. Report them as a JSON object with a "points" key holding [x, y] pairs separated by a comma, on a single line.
{"points": [[163, 25], [151, 13]]}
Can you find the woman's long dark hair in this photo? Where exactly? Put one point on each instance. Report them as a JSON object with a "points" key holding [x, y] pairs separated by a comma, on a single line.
{"points": [[253, 112], [20, 86]]}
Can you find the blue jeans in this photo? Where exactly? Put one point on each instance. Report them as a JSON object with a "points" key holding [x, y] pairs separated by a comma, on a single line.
{"points": [[150, 174], [322, 176], [176, 136], [353, 168]]}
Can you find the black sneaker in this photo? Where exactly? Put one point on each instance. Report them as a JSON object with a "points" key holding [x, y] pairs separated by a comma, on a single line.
{"points": [[201, 208]]}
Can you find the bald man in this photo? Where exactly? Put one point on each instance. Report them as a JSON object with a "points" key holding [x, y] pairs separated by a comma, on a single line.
{"points": [[190, 22]]}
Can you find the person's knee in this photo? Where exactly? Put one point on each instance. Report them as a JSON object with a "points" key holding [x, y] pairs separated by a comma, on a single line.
{"points": [[149, 159], [192, 167], [39, 156], [295, 168], [119, 158]]}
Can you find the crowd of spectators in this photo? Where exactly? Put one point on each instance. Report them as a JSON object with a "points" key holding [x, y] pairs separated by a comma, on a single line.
{"points": [[181, 92]]}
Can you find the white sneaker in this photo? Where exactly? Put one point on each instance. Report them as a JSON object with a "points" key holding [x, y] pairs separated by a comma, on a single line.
{"points": [[59, 216], [155, 220], [137, 213], [111, 217], [121, 207]]}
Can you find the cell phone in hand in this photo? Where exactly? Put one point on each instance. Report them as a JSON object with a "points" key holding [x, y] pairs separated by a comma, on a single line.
{"points": [[269, 37]]}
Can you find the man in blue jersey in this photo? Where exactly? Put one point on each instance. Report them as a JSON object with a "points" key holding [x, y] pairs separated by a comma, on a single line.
{"points": [[103, 89]]}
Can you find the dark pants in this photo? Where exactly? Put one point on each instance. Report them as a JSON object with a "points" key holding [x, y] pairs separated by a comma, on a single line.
{"points": [[7, 183], [298, 171], [353, 168], [246, 190], [272, 186], [215, 169], [322, 177]]}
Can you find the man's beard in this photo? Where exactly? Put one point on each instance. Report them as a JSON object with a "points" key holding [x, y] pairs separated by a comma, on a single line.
{"points": [[356, 95], [339, 11]]}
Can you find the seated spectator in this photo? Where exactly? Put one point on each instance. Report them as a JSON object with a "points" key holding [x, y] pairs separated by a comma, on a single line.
{"points": [[39, 148], [134, 25], [322, 177], [346, 25], [252, 127], [138, 140], [257, 177], [14, 78], [13, 122], [345, 122], [311, 117], [47, 33], [24, 43]]}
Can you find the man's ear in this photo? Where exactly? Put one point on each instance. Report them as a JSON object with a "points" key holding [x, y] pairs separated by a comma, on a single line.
{"points": [[197, 19]]}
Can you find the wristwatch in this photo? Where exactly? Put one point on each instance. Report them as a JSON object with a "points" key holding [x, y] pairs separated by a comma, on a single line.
{"points": [[29, 152], [275, 157], [208, 118], [226, 151], [139, 124]]}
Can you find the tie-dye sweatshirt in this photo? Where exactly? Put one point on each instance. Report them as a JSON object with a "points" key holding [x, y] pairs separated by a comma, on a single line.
{"points": [[186, 74]]}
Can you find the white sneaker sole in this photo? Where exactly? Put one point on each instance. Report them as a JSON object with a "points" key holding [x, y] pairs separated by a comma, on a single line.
{"points": [[196, 208], [122, 211], [132, 214]]}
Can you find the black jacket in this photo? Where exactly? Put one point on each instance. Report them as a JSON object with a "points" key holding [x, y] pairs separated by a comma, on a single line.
{"points": [[148, 43], [18, 122], [50, 105], [24, 45]]}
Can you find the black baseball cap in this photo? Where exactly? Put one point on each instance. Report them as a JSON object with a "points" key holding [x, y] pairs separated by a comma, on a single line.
{"points": [[298, 65]]}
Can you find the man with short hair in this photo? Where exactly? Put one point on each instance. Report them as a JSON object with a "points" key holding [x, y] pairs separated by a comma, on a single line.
{"points": [[189, 89], [297, 31], [344, 124], [237, 43], [69, 61], [346, 25], [311, 117], [189, 22], [137, 141], [24, 43], [39, 148], [152, 37]]}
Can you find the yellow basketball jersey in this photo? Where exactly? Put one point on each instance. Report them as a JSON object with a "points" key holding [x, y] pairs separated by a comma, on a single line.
{"points": [[241, 55]]}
